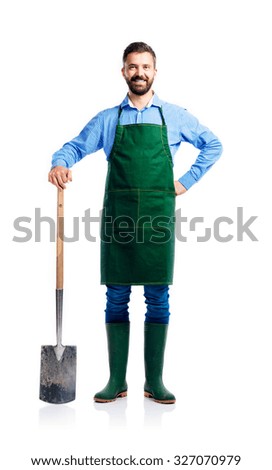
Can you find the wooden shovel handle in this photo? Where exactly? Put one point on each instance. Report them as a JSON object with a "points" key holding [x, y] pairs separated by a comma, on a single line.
{"points": [[60, 235]]}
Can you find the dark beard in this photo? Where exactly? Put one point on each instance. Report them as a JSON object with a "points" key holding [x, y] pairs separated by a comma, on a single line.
{"points": [[132, 84]]}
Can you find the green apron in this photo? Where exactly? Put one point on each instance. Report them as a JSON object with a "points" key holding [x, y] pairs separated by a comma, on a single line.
{"points": [[138, 220]]}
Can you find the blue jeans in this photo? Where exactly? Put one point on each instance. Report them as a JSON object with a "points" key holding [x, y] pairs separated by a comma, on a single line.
{"points": [[156, 299]]}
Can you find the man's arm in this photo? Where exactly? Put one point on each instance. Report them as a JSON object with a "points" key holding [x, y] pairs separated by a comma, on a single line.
{"points": [[88, 141], [203, 139]]}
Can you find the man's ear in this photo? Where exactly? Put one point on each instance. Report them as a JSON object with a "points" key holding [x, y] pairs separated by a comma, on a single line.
{"points": [[123, 71]]}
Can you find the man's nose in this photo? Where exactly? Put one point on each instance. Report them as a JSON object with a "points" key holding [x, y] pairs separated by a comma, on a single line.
{"points": [[141, 71]]}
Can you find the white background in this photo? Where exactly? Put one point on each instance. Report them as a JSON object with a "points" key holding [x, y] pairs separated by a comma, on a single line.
{"points": [[60, 65]]}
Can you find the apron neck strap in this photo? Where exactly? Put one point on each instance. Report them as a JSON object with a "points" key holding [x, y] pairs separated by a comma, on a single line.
{"points": [[160, 110], [162, 116], [119, 114]]}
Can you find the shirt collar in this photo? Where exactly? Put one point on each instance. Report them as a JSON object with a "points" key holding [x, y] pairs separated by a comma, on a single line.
{"points": [[155, 101]]}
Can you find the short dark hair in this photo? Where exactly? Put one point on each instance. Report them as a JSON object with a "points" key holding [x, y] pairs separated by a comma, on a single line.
{"points": [[138, 47]]}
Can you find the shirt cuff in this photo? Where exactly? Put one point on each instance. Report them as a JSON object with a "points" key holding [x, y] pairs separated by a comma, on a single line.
{"points": [[59, 162], [187, 180]]}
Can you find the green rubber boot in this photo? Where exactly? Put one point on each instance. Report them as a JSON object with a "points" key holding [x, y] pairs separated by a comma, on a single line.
{"points": [[118, 341], [155, 335]]}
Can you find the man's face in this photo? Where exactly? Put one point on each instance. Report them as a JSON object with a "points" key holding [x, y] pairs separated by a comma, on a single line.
{"points": [[139, 72]]}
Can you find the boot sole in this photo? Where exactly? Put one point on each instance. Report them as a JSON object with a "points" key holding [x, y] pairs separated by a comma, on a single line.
{"points": [[108, 400], [164, 402]]}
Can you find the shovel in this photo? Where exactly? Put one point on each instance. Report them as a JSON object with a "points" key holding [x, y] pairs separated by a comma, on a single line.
{"points": [[58, 363]]}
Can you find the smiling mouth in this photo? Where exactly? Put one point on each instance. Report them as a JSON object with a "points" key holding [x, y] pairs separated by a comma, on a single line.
{"points": [[138, 80]]}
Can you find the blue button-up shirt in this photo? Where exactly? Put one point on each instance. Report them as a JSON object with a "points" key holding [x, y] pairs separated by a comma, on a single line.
{"points": [[182, 126]]}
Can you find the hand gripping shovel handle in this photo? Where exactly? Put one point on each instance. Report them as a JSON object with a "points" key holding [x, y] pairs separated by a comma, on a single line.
{"points": [[59, 265]]}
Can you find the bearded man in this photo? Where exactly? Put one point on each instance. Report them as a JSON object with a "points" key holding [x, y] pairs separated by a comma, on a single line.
{"points": [[140, 138]]}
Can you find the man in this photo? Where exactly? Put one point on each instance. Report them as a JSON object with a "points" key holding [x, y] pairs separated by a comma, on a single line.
{"points": [[140, 138]]}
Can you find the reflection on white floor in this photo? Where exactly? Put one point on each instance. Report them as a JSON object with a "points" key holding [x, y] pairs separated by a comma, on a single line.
{"points": [[59, 415], [115, 414]]}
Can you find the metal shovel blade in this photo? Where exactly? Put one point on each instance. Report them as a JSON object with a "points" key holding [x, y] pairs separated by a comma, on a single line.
{"points": [[58, 374]]}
